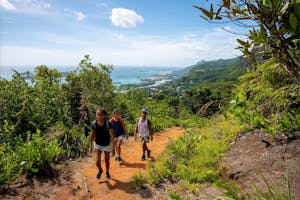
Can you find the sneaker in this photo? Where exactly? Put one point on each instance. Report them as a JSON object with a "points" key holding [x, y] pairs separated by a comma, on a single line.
{"points": [[119, 159], [107, 176], [99, 173], [116, 158], [143, 157], [148, 153]]}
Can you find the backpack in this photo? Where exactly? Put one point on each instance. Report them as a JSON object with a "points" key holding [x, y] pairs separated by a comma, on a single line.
{"points": [[106, 121], [113, 120]]}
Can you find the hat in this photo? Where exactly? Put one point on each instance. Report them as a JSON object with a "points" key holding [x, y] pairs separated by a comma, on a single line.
{"points": [[144, 110]]}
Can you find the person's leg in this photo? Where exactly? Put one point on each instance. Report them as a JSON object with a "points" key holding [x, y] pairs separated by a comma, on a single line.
{"points": [[144, 150], [107, 160], [144, 147], [98, 158], [107, 164], [116, 150], [98, 162], [119, 143]]}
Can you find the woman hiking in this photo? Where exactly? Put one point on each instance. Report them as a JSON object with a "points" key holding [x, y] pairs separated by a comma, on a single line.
{"points": [[119, 133], [102, 136]]}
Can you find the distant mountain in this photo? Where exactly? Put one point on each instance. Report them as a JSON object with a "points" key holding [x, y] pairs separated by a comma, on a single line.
{"points": [[208, 72], [213, 71]]}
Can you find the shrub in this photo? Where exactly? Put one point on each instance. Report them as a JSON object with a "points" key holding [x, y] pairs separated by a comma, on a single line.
{"points": [[72, 141], [26, 156], [268, 99]]}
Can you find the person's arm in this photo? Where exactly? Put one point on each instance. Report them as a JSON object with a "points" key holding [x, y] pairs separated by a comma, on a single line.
{"points": [[150, 130], [136, 130], [125, 131], [91, 140], [111, 133]]}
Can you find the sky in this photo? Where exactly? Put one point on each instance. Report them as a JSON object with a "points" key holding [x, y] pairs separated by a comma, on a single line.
{"points": [[114, 32]]}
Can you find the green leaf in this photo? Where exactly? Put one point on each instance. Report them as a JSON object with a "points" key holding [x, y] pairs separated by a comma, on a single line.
{"points": [[297, 8], [267, 3], [217, 13], [243, 43], [293, 21], [284, 8], [205, 12], [34, 170]]}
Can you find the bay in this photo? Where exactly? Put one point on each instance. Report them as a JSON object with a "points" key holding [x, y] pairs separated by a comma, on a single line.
{"points": [[120, 75]]}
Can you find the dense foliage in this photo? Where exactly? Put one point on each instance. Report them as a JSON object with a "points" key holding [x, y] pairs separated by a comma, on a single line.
{"points": [[274, 29], [42, 119], [268, 99]]}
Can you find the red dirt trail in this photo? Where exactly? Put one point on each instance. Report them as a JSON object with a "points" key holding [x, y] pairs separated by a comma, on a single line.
{"points": [[84, 184]]}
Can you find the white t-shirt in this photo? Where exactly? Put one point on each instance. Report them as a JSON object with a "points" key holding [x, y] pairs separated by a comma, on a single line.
{"points": [[143, 129]]}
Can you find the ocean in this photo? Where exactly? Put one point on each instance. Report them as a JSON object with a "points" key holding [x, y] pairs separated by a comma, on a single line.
{"points": [[121, 75], [133, 75]]}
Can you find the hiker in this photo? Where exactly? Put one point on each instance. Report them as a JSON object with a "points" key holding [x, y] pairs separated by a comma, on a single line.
{"points": [[119, 132], [143, 129], [102, 135]]}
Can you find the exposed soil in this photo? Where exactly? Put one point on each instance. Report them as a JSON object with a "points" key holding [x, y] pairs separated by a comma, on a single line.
{"points": [[77, 179], [256, 156]]}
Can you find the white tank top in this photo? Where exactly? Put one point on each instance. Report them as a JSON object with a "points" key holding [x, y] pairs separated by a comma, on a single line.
{"points": [[143, 129]]}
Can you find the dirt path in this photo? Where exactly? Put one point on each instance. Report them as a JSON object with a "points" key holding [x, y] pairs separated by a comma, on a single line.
{"points": [[77, 179]]}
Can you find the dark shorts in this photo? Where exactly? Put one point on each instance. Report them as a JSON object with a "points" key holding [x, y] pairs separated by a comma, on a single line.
{"points": [[145, 139]]}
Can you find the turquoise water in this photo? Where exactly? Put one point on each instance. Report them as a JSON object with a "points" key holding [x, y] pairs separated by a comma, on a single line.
{"points": [[119, 75], [132, 75]]}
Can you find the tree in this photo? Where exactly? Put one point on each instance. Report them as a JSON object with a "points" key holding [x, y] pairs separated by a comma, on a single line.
{"points": [[96, 84], [48, 98], [274, 28]]}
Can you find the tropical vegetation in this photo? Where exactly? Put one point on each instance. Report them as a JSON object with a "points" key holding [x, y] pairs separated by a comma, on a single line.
{"points": [[47, 118]]}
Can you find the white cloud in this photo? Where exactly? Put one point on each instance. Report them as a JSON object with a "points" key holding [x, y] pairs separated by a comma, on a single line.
{"points": [[7, 5], [78, 14], [46, 5], [140, 50], [125, 18], [103, 4], [31, 6], [37, 56], [120, 36]]}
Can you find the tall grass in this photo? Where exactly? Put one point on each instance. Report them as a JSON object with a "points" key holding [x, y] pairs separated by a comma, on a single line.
{"points": [[194, 157]]}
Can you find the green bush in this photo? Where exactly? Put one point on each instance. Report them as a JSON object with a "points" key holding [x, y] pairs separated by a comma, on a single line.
{"points": [[26, 156], [268, 99], [72, 141]]}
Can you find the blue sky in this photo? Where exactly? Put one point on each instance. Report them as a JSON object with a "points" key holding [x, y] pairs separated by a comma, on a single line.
{"points": [[116, 32]]}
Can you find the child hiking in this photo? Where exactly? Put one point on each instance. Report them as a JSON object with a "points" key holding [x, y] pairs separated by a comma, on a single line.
{"points": [[119, 133], [143, 129], [102, 135]]}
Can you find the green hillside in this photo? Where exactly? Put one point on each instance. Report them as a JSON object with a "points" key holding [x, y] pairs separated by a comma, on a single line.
{"points": [[222, 70]]}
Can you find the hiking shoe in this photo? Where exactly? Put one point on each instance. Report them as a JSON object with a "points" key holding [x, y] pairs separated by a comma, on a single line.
{"points": [[107, 176], [148, 153], [99, 173], [143, 157]]}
